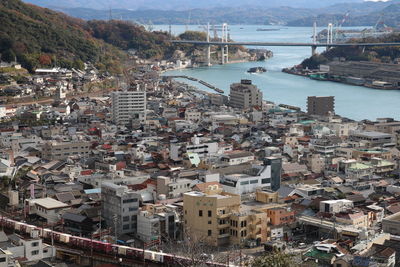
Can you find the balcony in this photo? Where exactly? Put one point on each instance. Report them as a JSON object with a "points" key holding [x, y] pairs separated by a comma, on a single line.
{"points": [[224, 235], [223, 216], [222, 226]]}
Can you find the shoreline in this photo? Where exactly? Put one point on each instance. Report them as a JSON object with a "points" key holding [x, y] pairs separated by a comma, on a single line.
{"points": [[340, 80]]}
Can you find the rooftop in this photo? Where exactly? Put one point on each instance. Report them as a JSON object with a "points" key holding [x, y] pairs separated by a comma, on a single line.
{"points": [[49, 203]]}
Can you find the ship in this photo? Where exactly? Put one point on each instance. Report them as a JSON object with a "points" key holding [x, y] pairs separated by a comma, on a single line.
{"points": [[257, 70], [267, 30]]}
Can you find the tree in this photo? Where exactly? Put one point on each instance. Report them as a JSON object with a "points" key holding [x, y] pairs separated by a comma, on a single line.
{"points": [[8, 55], [274, 259], [314, 61], [45, 60], [78, 64]]}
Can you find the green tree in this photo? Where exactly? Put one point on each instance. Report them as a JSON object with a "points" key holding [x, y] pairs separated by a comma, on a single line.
{"points": [[314, 61], [8, 55], [274, 259], [78, 64]]}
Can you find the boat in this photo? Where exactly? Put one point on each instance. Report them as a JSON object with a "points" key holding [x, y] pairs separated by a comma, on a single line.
{"points": [[267, 30], [257, 70]]}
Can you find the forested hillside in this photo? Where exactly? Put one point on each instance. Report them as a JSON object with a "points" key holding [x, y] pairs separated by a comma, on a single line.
{"points": [[42, 37], [377, 54]]}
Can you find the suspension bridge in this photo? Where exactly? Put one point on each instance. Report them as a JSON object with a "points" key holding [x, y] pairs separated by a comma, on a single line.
{"points": [[224, 43]]}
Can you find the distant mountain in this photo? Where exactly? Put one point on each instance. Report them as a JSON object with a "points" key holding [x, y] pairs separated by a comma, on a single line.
{"points": [[366, 14], [257, 16], [185, 4]]}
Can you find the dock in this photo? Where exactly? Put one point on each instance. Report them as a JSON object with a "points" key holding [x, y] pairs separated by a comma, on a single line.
{"points": [[206, 84]]}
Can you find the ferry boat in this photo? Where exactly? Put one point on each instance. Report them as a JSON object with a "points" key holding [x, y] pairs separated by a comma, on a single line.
{"points": [[257, 70]]}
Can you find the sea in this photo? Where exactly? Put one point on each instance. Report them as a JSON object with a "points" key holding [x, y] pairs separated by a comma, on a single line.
{"points": [[353, 102]]}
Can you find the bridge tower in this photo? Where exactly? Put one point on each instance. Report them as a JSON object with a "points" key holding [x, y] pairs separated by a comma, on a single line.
{"points": [[314, 46], [224, 48], [329, 36], [208, 46]]}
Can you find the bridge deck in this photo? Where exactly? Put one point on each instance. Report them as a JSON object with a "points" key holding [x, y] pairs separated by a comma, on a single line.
{"points": [[282, 44]]}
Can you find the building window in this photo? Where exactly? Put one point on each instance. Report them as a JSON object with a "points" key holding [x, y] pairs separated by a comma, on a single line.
{"points": [[209, 222], [35, 252], [125, 226], [35, 244], [209, 213], [266, 181], [209, 232], [125, 218], [200, 213], [254, 182]]}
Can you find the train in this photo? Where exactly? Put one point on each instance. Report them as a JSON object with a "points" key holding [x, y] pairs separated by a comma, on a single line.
{"points": [[87, 244]]}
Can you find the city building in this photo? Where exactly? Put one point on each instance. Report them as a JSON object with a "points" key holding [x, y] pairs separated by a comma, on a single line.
{"points": [[128, 107], [206, 216], [48, 208], [218, 218], [391, 224], [245, 95], [320, 105], [120, 208], [372, 139], [62, 150], [335, 206]]}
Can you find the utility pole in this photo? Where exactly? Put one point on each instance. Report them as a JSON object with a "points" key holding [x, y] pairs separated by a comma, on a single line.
{"points": [[115, 217], [100, 226]]}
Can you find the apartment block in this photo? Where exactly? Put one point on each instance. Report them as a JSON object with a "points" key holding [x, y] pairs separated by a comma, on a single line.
{"points": [[219, 219], [245, 95], [320, 105], [63, 150], [120, 208], [128, 107]]}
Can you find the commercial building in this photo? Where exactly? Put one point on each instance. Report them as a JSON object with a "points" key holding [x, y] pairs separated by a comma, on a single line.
{"points": [[128, 107], [245, 95], [63, 150], [120, 208], [320, 105]]}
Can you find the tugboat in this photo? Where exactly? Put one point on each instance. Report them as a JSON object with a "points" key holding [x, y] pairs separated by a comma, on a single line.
{"points": [[257, 70]]}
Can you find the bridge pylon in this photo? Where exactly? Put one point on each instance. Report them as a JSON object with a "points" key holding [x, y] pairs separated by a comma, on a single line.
{"points": [[224, 48]]}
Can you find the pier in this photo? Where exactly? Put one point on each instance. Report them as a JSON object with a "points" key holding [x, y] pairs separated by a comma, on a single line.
{"points": [[220, 91]]}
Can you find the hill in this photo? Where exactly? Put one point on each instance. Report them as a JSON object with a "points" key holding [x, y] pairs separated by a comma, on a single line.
{"points": [[239, 15], [365, 14], [185, 4], [375, 54], [42, 37]]}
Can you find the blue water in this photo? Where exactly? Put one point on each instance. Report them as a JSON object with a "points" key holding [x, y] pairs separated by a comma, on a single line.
{"points": [[350, 101]]}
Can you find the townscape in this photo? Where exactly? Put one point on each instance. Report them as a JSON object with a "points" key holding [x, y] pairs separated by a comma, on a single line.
{"points": [[239, 172], [126, 161]]}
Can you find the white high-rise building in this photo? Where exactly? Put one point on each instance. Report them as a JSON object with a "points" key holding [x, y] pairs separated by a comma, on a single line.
{"points": [[128, 107]]}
